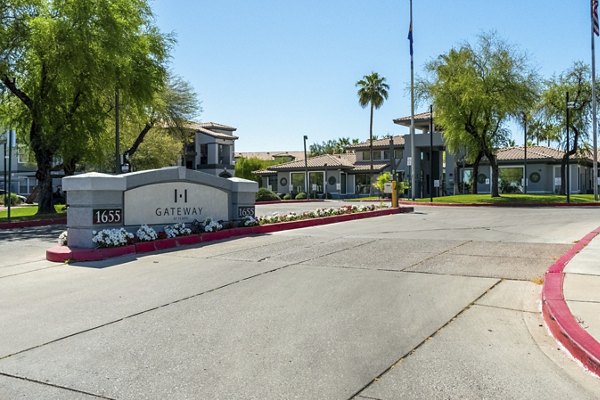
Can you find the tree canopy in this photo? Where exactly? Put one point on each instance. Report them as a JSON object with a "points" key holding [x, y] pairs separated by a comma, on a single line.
{"points": [[475, 91], [549, 120], [333, 146], [61, 62]]}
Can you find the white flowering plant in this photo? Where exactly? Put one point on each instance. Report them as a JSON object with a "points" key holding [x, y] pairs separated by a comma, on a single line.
{"points": [[211, 226], [249, 220], [146, 234], [177, 230], [112, 237], [63, 239], [319, 212]]}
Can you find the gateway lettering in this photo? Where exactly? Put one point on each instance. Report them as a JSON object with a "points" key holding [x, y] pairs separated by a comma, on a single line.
{"points": [[177, 211]]}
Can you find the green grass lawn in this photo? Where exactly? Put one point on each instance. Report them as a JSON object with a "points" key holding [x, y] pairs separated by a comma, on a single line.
{"points": [[510, 198], [24, 212]]}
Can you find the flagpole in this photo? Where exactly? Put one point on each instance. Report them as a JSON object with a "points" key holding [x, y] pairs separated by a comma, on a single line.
{"points": [[594, 124], [412, 112]]}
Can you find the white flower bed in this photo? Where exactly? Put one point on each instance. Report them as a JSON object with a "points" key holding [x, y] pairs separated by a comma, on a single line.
{"points": [[177, 230], [318, 213], [146, 234], [211, 226], [249, 221], [112, 237], [63, 239]]}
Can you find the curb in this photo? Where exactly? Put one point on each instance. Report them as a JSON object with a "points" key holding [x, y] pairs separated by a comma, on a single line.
{"points": [[33, 222], [559, 319], [507, 204], [66, 254], [260, 203]]}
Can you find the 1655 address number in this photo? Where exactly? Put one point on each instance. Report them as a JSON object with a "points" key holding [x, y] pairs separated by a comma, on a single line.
{"points": [[108, 216]]}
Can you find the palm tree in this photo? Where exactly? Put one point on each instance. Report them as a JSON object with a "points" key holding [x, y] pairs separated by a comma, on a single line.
{"points": [[372, 91]]}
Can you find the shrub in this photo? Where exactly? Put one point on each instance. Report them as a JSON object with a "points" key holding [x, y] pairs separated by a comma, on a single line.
{"points": [[287, 196], [265, 194], [301, 196], [14, 199]]}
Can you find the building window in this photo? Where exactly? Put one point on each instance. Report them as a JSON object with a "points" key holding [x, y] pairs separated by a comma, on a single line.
{"points": [[366, 155], [376, 154], [272, 182], [223, 154], [298, 181], [535, 177], [481, 178], [363, 183], [511, 179], [203, 154], [316, 180]]}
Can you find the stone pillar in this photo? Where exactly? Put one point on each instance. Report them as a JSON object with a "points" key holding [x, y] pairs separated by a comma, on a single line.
{"points": [[89, 192], [243, 198]]}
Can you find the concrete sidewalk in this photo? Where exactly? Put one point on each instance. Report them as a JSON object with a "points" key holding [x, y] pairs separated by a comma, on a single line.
{"points": [[572, 301]]}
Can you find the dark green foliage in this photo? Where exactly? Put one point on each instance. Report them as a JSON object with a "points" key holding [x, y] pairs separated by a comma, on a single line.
{"points": [[287, 196], [245, 167], [265, 194], [300, 196]]}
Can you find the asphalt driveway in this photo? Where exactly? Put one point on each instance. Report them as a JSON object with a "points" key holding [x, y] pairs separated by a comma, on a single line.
{"points": [[436, 304]]}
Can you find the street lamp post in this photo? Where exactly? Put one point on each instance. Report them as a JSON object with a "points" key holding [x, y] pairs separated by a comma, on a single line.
{"points": [[525, 155], [325, 183], [569, 104], [305, 167]]}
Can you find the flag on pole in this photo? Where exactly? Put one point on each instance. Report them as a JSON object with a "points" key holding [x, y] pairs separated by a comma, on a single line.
{"points": [[595, 17], [410, 35]]}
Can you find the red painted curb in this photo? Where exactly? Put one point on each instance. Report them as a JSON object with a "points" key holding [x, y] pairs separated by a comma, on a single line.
{"points": [[258, 203], [559, 318], [530, 205], [64, 253], [35, 222]]}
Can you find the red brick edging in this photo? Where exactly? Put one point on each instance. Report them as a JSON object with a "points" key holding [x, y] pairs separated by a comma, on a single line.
{"points": [[64, 253], [559, 318]]}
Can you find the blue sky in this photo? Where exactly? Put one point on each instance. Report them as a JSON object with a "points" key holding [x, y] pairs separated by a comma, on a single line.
{"points": [[281, 69]]}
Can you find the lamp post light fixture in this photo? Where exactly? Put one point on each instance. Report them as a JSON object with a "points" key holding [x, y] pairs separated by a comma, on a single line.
{"points": [[305, 168]]}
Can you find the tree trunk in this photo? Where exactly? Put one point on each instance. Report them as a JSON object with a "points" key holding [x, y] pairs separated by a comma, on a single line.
{"points": [[494, 165], [44, 178]]}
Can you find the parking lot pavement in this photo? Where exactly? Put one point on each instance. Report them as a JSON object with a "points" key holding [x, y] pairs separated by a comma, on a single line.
{"points": [[348, 310]]}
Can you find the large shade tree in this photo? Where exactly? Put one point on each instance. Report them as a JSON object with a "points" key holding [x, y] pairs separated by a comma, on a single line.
{"points": [[476, 89], [61, 60], [550, 120], [372, 91]]}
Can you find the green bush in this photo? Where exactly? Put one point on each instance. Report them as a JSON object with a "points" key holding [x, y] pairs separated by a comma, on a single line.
{"points": [[265, 194], [14, 199], [301, 196], [287, 196]]}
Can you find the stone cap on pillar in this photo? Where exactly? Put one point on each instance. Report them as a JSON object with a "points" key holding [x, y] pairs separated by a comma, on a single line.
{"points": [[243, 185], [94, 181]]}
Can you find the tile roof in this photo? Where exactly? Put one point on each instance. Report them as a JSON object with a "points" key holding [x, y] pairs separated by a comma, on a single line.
{"points": [[214, 125], [270, 155], [344, 161], [420, 117], [379, 143], [204, 128], [533, 153]]}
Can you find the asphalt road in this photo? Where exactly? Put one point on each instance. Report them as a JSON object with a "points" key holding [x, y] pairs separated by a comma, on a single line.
{"points": [[439, 304]]}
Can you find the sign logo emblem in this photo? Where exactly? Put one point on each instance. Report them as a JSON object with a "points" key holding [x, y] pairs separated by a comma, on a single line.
{"points": [[181, 196]]}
